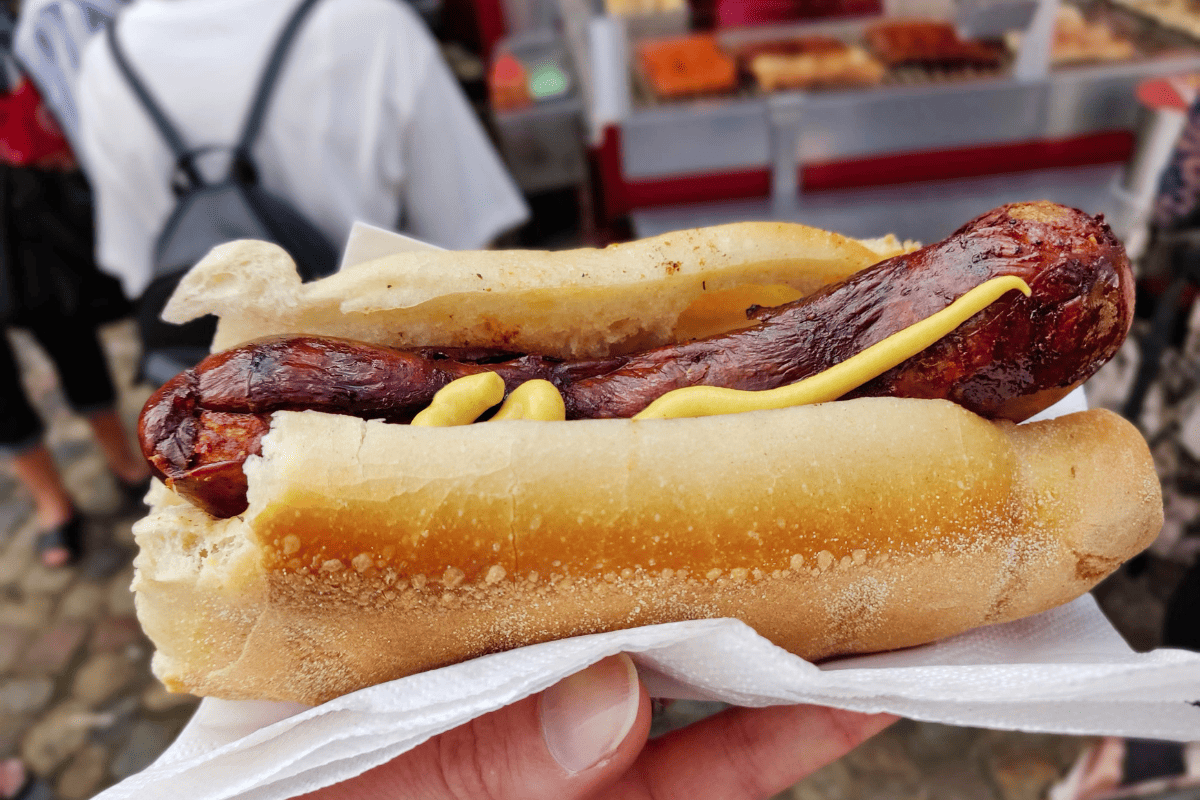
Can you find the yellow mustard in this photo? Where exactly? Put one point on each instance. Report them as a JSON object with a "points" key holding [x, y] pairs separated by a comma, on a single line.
{"points": [[461, 401], [703, 401], [536, 400]]}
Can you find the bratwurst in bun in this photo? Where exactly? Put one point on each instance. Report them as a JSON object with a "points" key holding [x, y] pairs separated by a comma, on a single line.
{"points": [[327, 531]]}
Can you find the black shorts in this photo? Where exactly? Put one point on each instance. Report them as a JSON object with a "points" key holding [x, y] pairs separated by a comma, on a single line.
{"points": [[82, 371], [49, 285]]}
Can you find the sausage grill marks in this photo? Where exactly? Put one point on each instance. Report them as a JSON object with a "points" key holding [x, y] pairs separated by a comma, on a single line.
{"points": [[1009, 361]]}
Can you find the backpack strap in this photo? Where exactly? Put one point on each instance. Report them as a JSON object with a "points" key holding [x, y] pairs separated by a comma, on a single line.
{"points": [[184, 158], [266, 84], [170, 134]]}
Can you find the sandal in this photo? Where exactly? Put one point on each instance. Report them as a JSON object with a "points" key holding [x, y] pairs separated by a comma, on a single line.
{"points": [[68, 536]]}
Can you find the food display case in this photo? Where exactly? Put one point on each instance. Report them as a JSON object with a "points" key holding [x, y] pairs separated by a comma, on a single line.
{"points": [[863, 101]]}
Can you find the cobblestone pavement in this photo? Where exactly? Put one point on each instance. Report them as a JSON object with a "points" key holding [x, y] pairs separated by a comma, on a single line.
{"points": [[78, 702]]}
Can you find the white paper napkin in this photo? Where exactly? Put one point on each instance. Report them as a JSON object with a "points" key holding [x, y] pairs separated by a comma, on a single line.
{"points": [[1064, 671], [368, 242]]}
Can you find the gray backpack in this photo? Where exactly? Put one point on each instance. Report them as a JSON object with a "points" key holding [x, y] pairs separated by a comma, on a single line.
{"points": [[208, 213]]}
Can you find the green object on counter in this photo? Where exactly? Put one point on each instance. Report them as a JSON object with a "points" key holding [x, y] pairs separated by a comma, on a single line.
{"points": [[546, 81]]}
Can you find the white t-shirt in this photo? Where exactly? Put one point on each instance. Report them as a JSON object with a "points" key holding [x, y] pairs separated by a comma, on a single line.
{"points": [[366, 123], [50, 39]]}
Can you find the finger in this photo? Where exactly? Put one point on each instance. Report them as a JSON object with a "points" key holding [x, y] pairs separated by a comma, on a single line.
{"points": [[563, 744], [745, 753]]}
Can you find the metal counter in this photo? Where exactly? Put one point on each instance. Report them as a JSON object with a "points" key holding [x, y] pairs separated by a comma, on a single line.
{"points": [[722, 135]]}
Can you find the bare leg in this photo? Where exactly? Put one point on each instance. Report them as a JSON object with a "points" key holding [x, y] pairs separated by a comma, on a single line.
{"points": [[130, 467], [36, 469]]}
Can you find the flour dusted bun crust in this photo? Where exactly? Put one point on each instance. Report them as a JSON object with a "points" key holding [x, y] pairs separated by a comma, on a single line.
{"points": [[371, 551]]}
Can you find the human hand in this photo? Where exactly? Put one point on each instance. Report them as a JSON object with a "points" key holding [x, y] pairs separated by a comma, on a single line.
{"points": [[586, 736]]}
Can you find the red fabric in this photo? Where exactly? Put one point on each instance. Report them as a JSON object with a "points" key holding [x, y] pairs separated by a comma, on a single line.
{"points": [[28, 132]]}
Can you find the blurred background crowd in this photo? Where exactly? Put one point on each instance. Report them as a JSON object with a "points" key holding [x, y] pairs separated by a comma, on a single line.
{"points": [[136, 135]]}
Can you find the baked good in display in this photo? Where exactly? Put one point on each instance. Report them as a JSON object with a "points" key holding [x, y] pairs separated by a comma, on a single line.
{"points": [[1078, 40], [636, 7], [931, 44], [810, 62], [686, 66], [1178, 15]]}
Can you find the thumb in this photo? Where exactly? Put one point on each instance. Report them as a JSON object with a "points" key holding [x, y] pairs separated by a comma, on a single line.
{"points": [[575, 737]]}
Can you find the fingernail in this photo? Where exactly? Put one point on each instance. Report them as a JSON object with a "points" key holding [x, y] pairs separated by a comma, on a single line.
{"points": [[586, 716]]}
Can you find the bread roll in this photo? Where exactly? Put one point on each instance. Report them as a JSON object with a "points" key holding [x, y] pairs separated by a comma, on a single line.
{"points": [[371, 551]]}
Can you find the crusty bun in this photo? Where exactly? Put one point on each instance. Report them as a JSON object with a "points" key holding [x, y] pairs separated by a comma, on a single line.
{"points": [[578, 304], [370, 551]]}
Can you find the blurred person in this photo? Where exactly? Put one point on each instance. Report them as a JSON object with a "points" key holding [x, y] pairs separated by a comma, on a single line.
{"points": [[366, 123], [51, 287]]}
